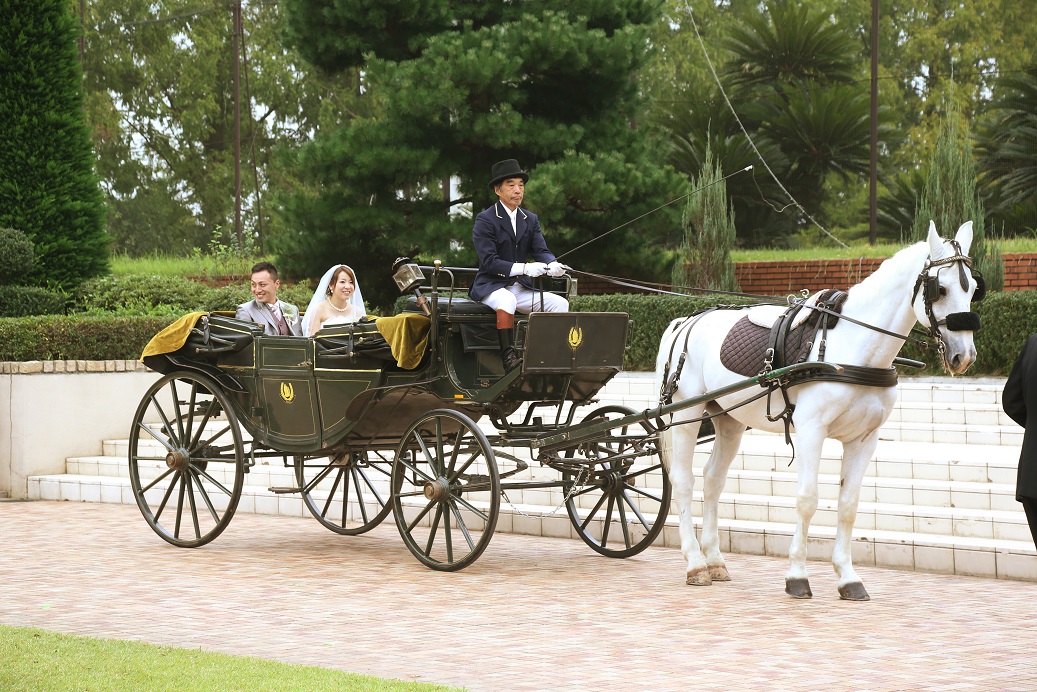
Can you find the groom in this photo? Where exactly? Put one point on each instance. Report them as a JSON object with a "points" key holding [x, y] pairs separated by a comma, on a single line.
{"points": [[276, 316]]}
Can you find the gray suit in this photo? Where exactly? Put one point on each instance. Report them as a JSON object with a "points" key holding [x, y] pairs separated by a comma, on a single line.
{"points": [[253, 311]]}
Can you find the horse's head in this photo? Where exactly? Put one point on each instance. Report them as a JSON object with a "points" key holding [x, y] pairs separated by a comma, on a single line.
{"points": [[943, 295]]}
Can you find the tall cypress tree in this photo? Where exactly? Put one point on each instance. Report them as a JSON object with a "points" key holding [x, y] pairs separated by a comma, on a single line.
{"points": [[951, 197], [457, 86], [48, 189], [704, 260]]}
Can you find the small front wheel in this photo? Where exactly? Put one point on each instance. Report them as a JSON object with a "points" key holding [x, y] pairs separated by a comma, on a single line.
{"points": [[187, 462], [445, 490], [622, 495]]}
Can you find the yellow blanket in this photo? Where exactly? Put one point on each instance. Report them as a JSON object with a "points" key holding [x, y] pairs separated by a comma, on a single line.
{"points": [[407, 336], [172, 337]]}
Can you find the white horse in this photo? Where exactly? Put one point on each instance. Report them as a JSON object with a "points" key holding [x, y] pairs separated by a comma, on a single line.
{"points": [[924, 282]]}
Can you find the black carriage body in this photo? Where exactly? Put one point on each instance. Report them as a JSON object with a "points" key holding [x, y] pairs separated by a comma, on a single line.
{"points": [[342, 390]]}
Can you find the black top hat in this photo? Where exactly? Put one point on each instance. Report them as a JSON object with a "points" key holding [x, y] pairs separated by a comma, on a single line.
{"points": [[508, 168]]}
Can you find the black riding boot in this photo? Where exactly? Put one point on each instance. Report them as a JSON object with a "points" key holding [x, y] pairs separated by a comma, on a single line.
{"points": [[506, 337]]}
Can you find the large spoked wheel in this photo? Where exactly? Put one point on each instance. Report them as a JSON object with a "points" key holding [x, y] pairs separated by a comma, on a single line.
{"points": [[622, 495], [445, 490], [187, 463], [348, 493]]}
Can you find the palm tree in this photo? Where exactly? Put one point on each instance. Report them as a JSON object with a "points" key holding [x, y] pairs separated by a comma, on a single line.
{"points": [[1007, 150]]}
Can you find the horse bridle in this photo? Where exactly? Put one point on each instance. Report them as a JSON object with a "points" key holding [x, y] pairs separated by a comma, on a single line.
{"points": [[929, 285]]}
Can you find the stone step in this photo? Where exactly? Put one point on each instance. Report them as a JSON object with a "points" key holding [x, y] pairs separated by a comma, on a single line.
{"points": [[938, 506], [967, 555]]}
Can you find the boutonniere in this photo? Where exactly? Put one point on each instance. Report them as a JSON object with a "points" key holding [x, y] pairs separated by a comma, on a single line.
{"points": [[289, 313]]}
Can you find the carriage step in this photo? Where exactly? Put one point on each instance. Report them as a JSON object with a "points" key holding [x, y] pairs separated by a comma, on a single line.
{"points": [[283, 490]]}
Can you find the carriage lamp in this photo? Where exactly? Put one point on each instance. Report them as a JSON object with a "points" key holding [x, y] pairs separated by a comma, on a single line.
{"points": [[408, 277]]}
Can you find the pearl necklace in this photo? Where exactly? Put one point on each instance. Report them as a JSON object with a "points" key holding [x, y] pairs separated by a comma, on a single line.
{"points": [[345, 309]]}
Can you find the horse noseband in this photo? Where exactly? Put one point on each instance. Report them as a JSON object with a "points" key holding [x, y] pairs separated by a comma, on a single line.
{"points": [[962, 322]]}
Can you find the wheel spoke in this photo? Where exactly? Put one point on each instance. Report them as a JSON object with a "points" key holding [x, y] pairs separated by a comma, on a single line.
{"points": [[464, 528], [321, 475], [608, 520], [640, 517], [176, 408], [359, 496], [179, 505], [470, 507], [205, 496], [212, 480], [643, 492], [159, 438], [623, 521], [201, 426], [413, 466], [165, 498], [454, 475], [218, 435], [432, 530], [154, 482], [194, 509], [594, 510], [446, 534], [369, 484], [421, 515]]}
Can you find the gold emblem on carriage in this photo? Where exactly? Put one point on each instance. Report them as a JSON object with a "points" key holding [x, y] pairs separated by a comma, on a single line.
{"points": [[575, 338], [287, 392]]}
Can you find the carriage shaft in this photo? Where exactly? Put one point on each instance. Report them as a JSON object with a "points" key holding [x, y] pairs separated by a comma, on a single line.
{"points": [[595, 430]]}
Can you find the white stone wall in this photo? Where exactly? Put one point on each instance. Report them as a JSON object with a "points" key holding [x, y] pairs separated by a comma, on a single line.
{"points": [[51, 410]]}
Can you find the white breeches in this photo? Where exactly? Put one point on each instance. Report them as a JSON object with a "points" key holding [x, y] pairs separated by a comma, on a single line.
{"points": [[517, 297]]}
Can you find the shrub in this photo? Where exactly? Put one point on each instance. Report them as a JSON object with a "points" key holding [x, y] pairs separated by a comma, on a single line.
{"points": [[77, 337], [23, 301], [1008, 319], [16, 255]]}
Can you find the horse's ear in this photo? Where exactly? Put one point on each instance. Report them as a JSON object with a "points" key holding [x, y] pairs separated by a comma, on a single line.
{"points": [[935, 243], [964, 236]]}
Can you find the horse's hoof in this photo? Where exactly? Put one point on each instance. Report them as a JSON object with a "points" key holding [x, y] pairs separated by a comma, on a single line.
{"points": [[719, 573], [854, 591], [699, 577], [798, 588]]}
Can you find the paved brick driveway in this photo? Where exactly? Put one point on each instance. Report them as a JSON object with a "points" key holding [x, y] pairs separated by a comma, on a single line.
{"points": [[531, 614]]}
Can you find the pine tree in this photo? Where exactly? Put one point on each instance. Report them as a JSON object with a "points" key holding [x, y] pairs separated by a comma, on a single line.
{"points": [[48, 189], [951, 197], [704, 260], [455, 87]]}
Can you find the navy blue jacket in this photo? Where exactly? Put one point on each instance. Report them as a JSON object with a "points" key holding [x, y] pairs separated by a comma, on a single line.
{"points": [[499, 248]]}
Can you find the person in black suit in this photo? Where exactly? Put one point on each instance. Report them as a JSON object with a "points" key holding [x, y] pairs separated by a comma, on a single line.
{"points": [[1019, 400], [506, 236]]}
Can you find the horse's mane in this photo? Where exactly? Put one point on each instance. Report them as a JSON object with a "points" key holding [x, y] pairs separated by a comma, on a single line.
{"points": [[905, 264]]}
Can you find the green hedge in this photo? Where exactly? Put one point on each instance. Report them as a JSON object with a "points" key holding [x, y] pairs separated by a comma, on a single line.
{"points": [[24, 301], [77, 337], [1007, 318], [162, 295]]}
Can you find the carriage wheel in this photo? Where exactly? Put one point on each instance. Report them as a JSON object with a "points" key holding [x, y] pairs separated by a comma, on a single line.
{"points": [[623, 497], [445, 490], [187, 463], [347, 493]]}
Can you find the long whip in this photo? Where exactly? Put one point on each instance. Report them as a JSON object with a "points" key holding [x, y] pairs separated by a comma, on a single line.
{"points": [[652, 211]]}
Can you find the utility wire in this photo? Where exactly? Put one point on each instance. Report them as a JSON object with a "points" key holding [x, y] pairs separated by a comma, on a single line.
{"points": [[652, 211], [712, 69]]}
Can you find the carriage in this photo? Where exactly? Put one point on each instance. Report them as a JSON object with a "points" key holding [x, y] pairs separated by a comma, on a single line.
{"points": [[412, 415]]}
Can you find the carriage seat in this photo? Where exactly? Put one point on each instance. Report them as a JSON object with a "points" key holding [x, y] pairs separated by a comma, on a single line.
{"points": [[456, 307], [400, 341]]}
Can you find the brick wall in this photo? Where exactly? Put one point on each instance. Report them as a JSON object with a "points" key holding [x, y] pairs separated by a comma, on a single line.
{"points": [[780, 278]]}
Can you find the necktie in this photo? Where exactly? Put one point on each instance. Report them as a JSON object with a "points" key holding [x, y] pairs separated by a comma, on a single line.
{"points": [[282, 324]]}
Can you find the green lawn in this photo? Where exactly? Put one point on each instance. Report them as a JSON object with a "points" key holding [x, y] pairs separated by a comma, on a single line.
{"points": [[32, 659], [167, 265]]}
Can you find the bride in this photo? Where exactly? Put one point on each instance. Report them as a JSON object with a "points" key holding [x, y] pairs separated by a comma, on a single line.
{"points": [[337, 300]]}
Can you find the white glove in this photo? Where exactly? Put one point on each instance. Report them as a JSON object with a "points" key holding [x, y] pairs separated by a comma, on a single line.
{"points": [[535, 269], [556, 269]]}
